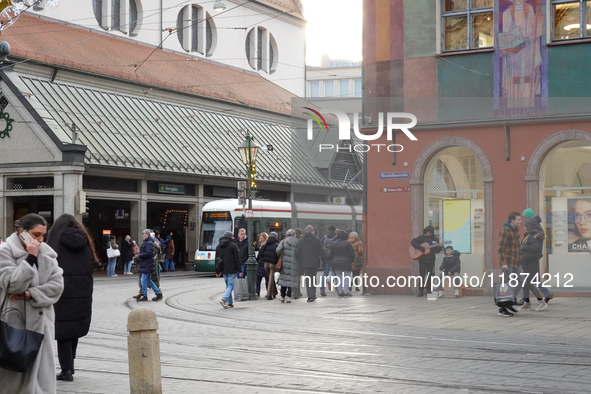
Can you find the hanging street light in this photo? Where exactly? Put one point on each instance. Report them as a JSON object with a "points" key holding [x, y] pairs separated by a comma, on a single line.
{"points": [[248, 153], [219, 6]]}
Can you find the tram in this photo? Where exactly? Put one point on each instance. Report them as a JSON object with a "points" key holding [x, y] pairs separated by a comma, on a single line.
{"points": [[228, 215]]}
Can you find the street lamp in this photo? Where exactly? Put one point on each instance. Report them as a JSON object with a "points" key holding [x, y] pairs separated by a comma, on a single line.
{"points": [[219, 6], [248, 153]]}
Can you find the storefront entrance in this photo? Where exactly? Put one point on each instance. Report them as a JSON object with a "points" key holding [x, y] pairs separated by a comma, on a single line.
{"points": [[171, 220]]}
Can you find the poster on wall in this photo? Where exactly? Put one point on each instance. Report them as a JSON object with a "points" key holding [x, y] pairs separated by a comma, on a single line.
{"points": [[457, 225], [521, 87], [579, 224]]}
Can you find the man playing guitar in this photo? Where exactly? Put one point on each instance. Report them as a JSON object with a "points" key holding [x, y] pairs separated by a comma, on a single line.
{"points": [[427, 260]]}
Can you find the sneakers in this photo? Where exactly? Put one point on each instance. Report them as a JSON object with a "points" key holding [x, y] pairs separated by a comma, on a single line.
{"points": [[541, 306], [142, 298], [525, 307], [158, 297], [230, 305], [519, 303], [282, 299], [288, 300], [512, 309], [311, 299], [224, 303], [505, 313], [323, 293], [114, 275]]}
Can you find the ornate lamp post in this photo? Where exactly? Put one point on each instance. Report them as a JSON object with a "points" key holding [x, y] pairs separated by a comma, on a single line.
{"points": [[248, 152]]}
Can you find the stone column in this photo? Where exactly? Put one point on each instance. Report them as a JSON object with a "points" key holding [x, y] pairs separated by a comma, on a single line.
{"points": [[143, 349], [143, 207]]}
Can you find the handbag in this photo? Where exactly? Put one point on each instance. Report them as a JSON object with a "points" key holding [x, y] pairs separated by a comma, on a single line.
{"points": [[504, 294], [280, 260], [18, 347], [111, 253], [358, 262]]}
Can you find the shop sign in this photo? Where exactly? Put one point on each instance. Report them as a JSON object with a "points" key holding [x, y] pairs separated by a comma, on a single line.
{"points": [[171, 189], [394, 175], [395, 189]]}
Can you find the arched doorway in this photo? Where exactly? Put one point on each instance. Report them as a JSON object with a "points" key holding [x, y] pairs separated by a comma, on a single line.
{"points": [[452, 191]]}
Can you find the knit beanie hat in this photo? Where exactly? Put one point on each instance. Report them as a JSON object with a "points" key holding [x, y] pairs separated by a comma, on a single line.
{"points": [[309, 229], [228, 234], [528, 213]]}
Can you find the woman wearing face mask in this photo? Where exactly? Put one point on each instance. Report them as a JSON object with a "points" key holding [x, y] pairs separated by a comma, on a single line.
{"points": [[29, 271]]}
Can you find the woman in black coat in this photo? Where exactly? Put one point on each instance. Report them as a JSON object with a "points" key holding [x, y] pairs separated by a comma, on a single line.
{"points": [[73, 311], [126, 255], [342, 256]]}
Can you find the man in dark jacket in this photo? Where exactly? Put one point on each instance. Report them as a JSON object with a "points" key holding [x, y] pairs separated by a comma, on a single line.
{"points": [[309, 254], [242, 243], [227, 253], [531, 251], [427, 261], [147, 267], [343, 257], [326, 242], [509, 252]]}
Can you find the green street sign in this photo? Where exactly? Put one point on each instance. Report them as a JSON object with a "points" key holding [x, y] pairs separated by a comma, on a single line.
{"points": [[171, 189]]}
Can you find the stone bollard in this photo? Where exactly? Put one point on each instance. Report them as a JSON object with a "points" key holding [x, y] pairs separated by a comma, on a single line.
{"points": [[143, 348]]}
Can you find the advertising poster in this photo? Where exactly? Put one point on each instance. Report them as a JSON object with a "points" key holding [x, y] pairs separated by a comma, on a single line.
{"points": [[457, 224], [579, 224]]}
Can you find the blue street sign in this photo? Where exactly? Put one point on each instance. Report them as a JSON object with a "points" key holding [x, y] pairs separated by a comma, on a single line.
{"points": [[394, 175]]}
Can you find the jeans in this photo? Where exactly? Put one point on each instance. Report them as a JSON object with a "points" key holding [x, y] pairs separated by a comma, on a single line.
{"points": [[147, 281], [168, 263], [229, 279], [259, 281], [111, 266], [66, 353], [343, 281], [243, 266], [326, 273], [127, 266]]}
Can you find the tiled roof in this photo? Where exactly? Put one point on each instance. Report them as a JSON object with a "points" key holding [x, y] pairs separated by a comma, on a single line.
{"points": [[136, 133], [76, 48]]}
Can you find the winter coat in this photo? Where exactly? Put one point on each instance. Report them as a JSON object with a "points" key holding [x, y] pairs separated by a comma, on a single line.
{"points": [[158, 252], [509, 246], [342, 253], [432, 240], [45, 284], [269, 251], [309, 252], [228, 252], [357, 246], [113, 244], [451, 264], [242, 249], [326, 242], [147, 256], [74, 308], [169, 250], [289, 263], [126, 252], [531, 247]]}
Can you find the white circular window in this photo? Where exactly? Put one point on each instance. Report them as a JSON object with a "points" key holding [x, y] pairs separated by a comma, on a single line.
{"points": [[196, 30], [122, 15], [261, 50]]}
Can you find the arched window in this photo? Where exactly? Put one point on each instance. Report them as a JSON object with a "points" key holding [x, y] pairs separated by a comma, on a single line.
{"points": [[454, 204], [261, 50], [196, 30], [122, 15]]}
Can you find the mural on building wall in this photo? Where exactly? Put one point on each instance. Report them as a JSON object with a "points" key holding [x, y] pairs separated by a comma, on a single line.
{"points": [[579, 224], [521, 83]]}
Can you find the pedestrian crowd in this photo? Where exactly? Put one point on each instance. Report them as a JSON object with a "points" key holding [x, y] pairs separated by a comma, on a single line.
{"points": [[283, 263]]}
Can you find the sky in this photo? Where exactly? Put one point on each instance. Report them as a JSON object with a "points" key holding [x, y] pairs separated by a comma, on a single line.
{"points": [[334, 27]]}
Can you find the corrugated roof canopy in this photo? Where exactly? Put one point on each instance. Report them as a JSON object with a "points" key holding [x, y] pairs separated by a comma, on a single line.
{"points": [[131, 132]]}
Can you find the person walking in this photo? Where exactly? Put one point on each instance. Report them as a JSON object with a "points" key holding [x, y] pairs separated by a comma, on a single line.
{"points": [[147, 268], [112, 260], [427, 261], [287, 247], [32, 282], [326, 242], [242, 243], [169, 254], [358, 248], [270, 258], [126, 255], [509, 253], [310, 255], [75, 256], [531, 252], [261, 265], [342, 256], [227, 253]]}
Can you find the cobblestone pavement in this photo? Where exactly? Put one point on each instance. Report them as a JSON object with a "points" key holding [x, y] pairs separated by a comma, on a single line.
{"points": [[362, 344]]}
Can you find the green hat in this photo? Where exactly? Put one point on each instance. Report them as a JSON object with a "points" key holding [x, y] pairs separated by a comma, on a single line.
{"points": [[528, 213]]}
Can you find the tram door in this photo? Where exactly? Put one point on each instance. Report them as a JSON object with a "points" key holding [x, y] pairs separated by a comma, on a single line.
{"points": [[277, 227]]}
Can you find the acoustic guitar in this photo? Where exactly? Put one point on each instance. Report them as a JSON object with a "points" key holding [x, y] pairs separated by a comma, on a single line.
{"points": [[416, 253]]}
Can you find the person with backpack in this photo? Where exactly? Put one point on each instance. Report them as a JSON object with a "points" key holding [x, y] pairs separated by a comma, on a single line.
{"points": [[326, 243]]}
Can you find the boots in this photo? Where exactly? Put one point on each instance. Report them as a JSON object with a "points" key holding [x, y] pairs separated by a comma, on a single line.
{"points": [[65, 375], [157, 298]]}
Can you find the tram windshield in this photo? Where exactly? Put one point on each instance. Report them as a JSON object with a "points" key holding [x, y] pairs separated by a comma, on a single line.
{"points": [[213, 227]]}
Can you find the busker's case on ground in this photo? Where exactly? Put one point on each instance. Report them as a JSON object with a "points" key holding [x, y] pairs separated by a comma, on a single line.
{"points": [[504, 294], [240, 289]]}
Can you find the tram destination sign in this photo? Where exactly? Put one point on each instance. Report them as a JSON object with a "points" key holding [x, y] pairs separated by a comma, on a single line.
{"points": [[171, 189]]}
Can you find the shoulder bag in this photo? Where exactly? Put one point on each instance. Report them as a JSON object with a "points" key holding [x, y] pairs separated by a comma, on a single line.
{"points": [[280, 260], [18, 347]]}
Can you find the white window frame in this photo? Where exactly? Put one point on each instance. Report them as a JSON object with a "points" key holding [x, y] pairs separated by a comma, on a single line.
{"points": [[582, 20], [267, 41], [468, 12]]}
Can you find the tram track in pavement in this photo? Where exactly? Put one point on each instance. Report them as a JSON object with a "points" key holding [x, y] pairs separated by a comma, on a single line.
{"points": [[170, 302]]}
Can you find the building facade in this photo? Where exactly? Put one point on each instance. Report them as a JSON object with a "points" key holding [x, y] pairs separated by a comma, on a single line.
{"points": [[501, 95]]}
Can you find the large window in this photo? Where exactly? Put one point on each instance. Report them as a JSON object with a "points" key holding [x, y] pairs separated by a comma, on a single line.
{"points": [[328, 88], [196, 30], [467, 24], [261, 50], [314, 89], [567, 17], [358, 88], [344, 88], [122, 15]]}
